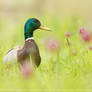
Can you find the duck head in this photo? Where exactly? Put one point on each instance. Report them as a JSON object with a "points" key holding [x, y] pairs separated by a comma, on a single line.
{"points": [[31, 25]]}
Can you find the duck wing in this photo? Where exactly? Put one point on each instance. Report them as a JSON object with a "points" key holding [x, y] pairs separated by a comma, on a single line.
{"points": [[11, 55]]}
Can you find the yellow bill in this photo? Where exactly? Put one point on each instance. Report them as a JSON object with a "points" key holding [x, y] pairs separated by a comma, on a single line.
{"points": [[44, 28]]}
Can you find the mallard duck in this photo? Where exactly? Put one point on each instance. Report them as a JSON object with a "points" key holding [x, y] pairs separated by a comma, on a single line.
{"points": [[30, 48]]}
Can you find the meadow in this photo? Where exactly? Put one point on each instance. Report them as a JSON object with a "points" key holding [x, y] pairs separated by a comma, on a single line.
{"points": [[66, 67]]}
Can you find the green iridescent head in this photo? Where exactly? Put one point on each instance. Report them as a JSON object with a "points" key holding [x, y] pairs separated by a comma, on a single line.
{"points": [[31, 25]]}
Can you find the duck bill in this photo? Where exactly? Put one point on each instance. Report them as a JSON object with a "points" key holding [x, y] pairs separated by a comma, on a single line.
{"points": [[44, 28]]}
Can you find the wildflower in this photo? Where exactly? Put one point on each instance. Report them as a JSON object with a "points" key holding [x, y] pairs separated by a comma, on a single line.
{"points": [[67, 34], [26, 71], [90, 47], [86, 37], [82, 30], [52, 44]]}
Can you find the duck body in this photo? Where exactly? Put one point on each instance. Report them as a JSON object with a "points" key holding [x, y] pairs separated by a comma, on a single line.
{"points": [[29, 52], [23, 54]]}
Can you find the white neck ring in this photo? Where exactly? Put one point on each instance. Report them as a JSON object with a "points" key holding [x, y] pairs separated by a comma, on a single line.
{"points": [[29, 38]]}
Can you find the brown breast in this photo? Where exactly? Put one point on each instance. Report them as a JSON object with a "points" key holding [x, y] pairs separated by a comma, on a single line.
{"points": [[30, 49]]}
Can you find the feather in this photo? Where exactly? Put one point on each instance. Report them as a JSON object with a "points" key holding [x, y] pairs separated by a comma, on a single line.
{"points": [[11, 56], [29, 52]]}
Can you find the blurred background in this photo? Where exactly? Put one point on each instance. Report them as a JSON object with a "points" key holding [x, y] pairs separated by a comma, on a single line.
{"points": [[20, 8]]}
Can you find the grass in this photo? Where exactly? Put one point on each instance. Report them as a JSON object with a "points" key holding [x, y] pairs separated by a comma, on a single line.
{"points": [[60, 71]]}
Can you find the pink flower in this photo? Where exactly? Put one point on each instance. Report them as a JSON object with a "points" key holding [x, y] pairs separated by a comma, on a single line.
{"points": [[26, 71], [67, 34], [86, 34], [90, 47], [82, 30], [74, 52], [86, 37], [52, 44]]}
